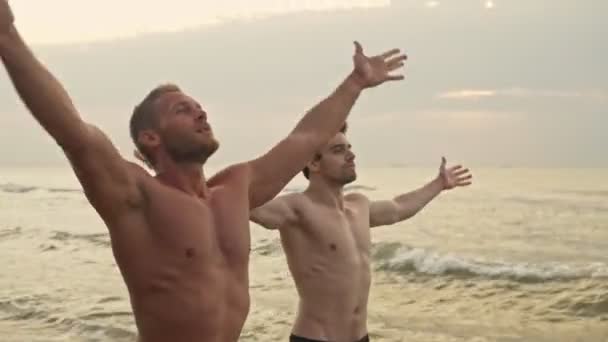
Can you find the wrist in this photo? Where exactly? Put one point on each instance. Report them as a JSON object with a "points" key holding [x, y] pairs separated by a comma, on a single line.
{"points": [[354, 82], [8, 37], [438, 184]]}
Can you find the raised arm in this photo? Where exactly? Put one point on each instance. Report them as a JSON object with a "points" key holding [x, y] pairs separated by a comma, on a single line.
{"points": [[104, 174], [271, 172], [404, 206], [277, 213]]}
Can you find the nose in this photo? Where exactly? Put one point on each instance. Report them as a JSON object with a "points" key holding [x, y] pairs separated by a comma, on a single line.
{"points": [[350, 156], [201, 115]]}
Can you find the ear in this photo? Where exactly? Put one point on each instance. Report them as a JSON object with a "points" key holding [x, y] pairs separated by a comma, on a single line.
{"points": [[315, 165], [148, 138]]}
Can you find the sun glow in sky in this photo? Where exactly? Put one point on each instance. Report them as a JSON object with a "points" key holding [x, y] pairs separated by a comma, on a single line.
{"points": [[64, 21], [82, 21], [482, 74]]}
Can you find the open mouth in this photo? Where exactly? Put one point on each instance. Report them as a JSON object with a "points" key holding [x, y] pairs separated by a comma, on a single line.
{"points": [[204, 129]]}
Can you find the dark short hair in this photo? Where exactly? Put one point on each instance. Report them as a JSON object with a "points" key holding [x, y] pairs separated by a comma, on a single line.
{"points": [[145, 115], [306, 171]]}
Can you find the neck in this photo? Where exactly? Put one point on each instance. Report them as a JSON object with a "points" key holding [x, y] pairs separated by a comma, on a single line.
{"points": [[187, 177], [327, 192]]}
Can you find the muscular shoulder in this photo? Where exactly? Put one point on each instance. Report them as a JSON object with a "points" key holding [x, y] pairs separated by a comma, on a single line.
{"points": [[294, 200], [143, 181], [141, 176], [356, 197], [357, 201], [137, 170], [231, 175]]}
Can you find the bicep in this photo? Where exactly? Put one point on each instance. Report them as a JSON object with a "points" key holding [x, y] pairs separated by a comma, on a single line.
{"points": [[108, 180], [382, 213], [271, 172]]}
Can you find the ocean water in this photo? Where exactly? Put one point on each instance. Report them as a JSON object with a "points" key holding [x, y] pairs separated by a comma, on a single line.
{"points": [[521, 255]]}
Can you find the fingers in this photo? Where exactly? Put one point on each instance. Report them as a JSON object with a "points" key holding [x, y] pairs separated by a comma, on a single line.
{"points": [[454, 168], [390, 53], [461, 172], [395, 78], [443, 162], [358, 48], [394, 67], [396, 60], [464, 180]]}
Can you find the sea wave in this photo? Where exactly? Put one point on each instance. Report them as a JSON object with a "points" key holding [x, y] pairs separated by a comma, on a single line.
{"points": [[347, 188], [23, 189], [10, 233], [13, 188], [393, 257], [16, 188], [558, 203], [100, 239], [50, 311]]}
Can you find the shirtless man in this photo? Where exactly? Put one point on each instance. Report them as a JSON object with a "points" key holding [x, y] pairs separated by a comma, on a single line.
{"points": [[326, 238], [181, 241]]}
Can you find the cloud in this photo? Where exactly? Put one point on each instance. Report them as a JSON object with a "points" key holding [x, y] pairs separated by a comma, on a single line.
{"points": [[477, 94], [434, 115], [128, 19], [475, 115], [464, 94]]}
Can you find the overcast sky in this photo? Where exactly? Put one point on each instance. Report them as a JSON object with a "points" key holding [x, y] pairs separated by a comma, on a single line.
{"points": [[509, 83]]}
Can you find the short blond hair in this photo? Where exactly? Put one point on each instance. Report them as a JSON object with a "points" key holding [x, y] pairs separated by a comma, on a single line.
{"points": [[145, 115]]}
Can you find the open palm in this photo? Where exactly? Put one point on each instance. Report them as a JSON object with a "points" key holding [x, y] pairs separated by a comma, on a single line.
{"points": [[373, 71], [455, 176]]}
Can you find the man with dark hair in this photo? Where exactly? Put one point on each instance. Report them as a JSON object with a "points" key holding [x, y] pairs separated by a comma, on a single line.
{"points": [[181, 241], [326, 238], [306, 170]]}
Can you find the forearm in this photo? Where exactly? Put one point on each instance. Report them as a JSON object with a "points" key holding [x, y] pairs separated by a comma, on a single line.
{"points": [[326, 118], [40, 91], [409, 204]]}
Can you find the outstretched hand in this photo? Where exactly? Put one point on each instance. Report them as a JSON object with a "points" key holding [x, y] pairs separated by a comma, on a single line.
{"points": [[6, 17], [455, 176], [373, 71]]}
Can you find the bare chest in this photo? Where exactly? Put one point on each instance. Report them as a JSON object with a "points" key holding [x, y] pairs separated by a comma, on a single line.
{"points": [[343, 234], [213, 230]]}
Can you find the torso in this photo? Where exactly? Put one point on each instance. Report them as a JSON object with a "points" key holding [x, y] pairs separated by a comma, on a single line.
{"points": [[185, 261], [328, 253]]}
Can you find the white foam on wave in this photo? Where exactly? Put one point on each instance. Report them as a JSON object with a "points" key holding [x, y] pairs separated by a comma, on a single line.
{"points": [[16, 188], [22, 189], [407, 260]]}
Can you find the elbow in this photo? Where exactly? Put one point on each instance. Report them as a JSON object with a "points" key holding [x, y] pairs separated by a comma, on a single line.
{"points": [[302, 136], [254, 217], [258, 219], [313, 139], [406, 215], [263, 224]]}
